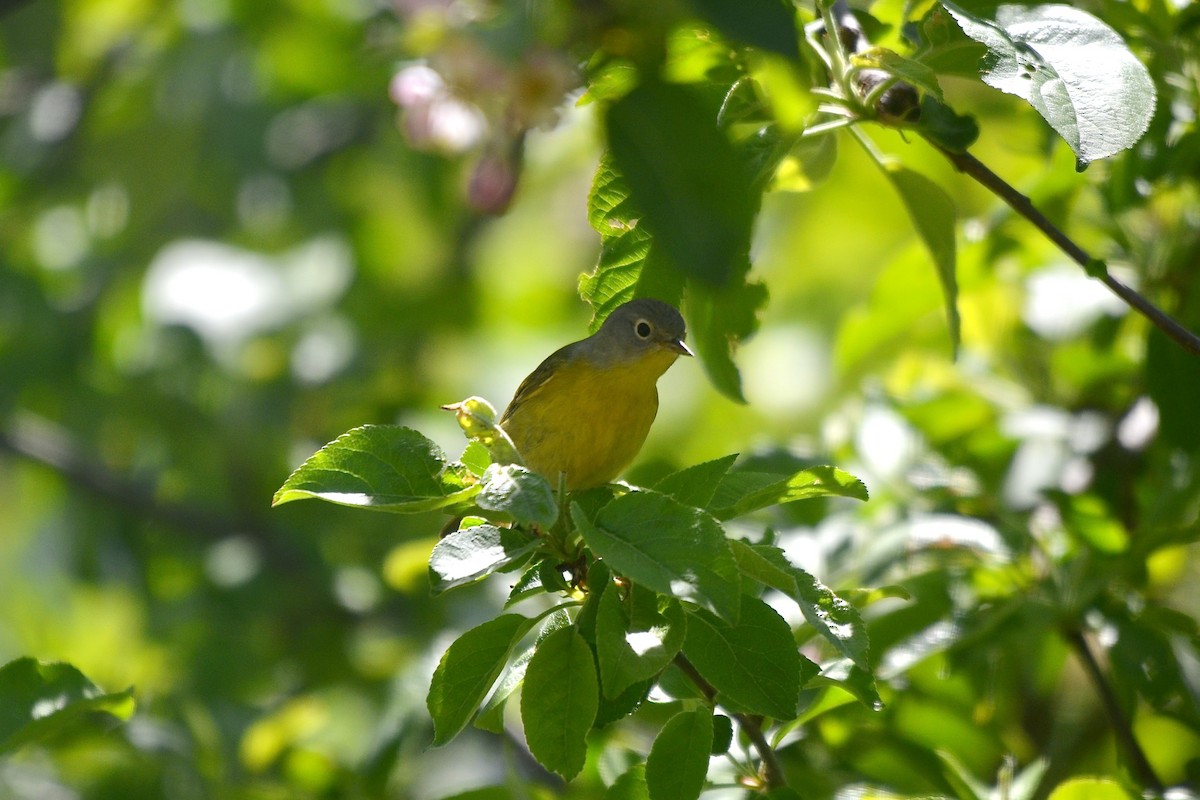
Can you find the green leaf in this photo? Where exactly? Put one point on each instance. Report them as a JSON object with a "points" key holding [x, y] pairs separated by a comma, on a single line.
{"points": [[695, 485], [831, 616], [933, 215], [491, 713], [468, 669], [941, 125], [1090, 789], [627, 655], [722, 734], [678, 762], [743, 492], [1072, 68], [806, 165], [666, 546], [519, 494], [753, 664], [383, 468], [40, 700], [686, 177], [631, 785], [559, 702], [945, 48], [635, 264], [469, 554], [766, 24], [631, 264], [719, 318]]}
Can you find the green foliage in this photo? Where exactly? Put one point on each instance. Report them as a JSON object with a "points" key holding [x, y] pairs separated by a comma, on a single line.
{"points": [[224, 244], [678, 760], [40, 701], [386, 468], [1076, 71]]}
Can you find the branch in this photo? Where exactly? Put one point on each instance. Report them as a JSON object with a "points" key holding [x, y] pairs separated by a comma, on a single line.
{"points": [[1112, 706], [772, 771], [969, 165], [42, 442]]}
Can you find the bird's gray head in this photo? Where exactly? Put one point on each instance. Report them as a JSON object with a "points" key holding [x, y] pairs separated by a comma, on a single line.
{"points": [[641, 325]]}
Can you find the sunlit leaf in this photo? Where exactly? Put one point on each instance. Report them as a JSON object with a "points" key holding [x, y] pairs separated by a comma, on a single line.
{"points": [[627, 654], [743, 492], [519, 494], [383, 468], [669, 547], [1075, 70], [469, 554], [41, 700], [467, 671], [753, 663], [933, 215], [832, 617]]}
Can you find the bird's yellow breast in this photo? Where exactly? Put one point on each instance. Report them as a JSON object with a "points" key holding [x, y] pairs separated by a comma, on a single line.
{"points": [[588, 421]]}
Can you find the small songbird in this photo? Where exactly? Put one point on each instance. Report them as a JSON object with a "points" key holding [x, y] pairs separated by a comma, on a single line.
{"points": [[585, 411]]}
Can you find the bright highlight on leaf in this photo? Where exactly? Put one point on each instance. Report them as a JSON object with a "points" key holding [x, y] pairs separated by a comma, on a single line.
{"points": [[667, 547], [381, 467], [753, 663], [1072, 68], [41, 700]]}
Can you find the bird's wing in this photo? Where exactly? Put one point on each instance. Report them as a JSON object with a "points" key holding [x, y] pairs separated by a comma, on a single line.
{"points": [[537, 380]]}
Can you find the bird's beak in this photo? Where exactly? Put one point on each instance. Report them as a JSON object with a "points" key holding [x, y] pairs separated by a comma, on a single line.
{"points": [[679, 347]]}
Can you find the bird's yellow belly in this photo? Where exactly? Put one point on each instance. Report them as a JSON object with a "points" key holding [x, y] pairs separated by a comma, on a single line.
{"points": [[585, 423]]}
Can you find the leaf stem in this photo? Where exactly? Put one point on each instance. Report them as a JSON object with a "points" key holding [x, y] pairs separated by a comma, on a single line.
{"points": [[1122, 727], [969, 165], [772, 771]]}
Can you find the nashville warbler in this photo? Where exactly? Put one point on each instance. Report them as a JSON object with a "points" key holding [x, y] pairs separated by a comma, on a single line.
{"points": [[585, 411]]}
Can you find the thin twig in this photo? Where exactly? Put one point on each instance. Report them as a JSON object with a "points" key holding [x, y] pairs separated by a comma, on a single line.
{"points": [[772, 770], [1112, 706], [973, 167]]}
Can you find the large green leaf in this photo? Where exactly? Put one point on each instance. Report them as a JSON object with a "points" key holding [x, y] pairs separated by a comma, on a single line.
{"points": [[381, 467], [634, 263], [768, 24], [468, 669], [832, 617], [1070, 66], [742, 492], [686, 176], [753, 663], [669, 547], [631, 263], [627, 654], [40, 700], [695, 485], [559, 701], [678, 760], [469, 554]]}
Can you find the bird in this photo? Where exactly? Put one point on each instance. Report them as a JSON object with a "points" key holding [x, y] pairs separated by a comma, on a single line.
{"points": [[582, 416]]}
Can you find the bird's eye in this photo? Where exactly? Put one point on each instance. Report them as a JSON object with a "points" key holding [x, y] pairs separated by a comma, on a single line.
{"points": [[642, 329]]}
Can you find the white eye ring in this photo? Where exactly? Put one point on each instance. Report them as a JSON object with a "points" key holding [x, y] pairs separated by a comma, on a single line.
{"points": [[643, 329]]}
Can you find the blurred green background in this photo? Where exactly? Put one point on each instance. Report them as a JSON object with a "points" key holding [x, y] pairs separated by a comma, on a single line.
{"points": [[218, 251]]}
